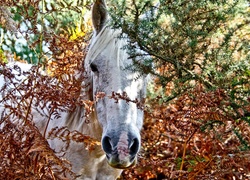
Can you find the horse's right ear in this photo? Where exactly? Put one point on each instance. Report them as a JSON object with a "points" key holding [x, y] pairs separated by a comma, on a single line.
{"points": [[99, 15]]}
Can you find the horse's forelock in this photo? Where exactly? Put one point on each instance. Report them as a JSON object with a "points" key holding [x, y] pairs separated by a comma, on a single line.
{"points": [[106, 38]]}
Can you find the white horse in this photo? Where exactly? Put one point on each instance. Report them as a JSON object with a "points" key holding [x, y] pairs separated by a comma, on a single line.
{"points": [[116, 124]]}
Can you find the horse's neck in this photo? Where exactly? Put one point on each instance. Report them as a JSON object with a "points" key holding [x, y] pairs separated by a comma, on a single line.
{"points": [[78, 120]]}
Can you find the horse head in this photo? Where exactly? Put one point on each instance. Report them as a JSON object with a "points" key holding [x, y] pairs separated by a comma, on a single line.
{"points": [[120, 119]]}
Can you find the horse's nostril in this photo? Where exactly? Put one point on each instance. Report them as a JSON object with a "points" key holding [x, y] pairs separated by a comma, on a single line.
{"points": [[106, 145], [134, 147]]}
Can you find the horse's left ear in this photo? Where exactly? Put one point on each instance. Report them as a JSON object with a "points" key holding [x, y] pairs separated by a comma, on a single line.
{"points": [[99, 15]]}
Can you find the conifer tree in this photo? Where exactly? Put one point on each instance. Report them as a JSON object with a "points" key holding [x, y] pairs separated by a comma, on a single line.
{"points": [[190, 42]]}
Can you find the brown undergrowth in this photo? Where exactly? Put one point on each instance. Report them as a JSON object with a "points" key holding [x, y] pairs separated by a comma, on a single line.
{"points": [[25, 153], [195, 137]]}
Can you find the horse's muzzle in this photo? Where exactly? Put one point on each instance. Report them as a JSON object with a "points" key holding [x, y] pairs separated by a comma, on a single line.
{"points": [[121, 153], [115, 162]]}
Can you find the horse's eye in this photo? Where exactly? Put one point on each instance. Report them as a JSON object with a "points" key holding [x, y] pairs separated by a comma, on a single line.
{"points": [[93, 67]]}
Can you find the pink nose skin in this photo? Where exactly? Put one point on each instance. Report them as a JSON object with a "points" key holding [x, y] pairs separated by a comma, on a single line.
{"points": [[122, 153]]}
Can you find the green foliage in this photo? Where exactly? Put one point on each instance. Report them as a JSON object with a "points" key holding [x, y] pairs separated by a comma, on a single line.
{"points": [[244, 144], [191, 43], [2, 57], [188, 40], [38, 21]]}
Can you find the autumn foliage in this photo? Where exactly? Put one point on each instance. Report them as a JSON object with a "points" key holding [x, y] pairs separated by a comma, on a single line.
{"points": [[197, 132], [25, 153], [194, 137]]}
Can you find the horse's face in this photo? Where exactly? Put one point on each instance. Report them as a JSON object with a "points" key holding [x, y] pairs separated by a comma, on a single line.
{"points": [[121, 120]]}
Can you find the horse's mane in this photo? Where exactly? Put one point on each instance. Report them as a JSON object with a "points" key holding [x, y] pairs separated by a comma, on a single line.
{"points": [[107, 38]]}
